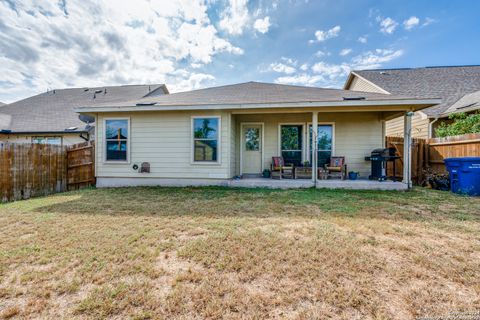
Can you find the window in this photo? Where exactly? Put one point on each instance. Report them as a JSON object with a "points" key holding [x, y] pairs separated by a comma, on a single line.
{"points": [[252, 139], [47, 140], [291, 137], [325, 143], [205, 139], [116, 139]]}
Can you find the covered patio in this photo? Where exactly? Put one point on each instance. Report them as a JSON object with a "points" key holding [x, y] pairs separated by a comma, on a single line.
{"points": [[351, 133]]}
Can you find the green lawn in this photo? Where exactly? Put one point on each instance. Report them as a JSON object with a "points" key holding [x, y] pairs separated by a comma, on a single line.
{"points": [[183, 253]]}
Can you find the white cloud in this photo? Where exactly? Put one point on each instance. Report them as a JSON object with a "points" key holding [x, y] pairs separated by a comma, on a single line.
{"points": [[333, 75], [44, 44], [363, 39], [196, 65], [331, 71], [428, 21], [304, 67], [345, 52], [411, 23], [301, 79], [388, 25], [321, 35], [287, 66], [281, 68], [289, 61], [375, 59], [186, 82], [321, 53], [235, 17], [262, 25]]}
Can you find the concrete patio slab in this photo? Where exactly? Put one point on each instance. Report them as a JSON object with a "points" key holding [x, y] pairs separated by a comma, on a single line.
{"points": [[330, 184]]}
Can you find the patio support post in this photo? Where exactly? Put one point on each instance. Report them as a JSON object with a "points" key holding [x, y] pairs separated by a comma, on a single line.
{"points": [[314, 146], [407, 149]]}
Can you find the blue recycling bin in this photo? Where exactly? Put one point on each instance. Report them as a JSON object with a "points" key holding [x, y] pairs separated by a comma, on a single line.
{"points": [[464, 175]]}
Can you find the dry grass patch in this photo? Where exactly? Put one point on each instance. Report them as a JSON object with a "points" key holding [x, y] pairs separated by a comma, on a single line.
{"points": [[215, 253]]}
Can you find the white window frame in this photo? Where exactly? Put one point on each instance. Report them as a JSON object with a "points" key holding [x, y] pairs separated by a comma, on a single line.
{"points": [[303, 137], [333, 137], [129, 138], [192, 140]]}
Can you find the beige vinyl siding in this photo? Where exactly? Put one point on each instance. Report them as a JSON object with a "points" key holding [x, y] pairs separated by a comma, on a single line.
{"points": [[420, 123], [67, 139], [356, 135], [164, 139], [359, 84]]}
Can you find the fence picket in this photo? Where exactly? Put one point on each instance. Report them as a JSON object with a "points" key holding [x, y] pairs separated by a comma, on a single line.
{"points": [[29, 170], [431, 153]]}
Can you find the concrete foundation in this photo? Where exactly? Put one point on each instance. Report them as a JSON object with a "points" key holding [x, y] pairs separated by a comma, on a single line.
{"points": [[254, 183]]}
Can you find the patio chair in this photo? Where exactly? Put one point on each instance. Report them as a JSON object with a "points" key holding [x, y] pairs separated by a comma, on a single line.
{"points": [[336, 168], [280, 170]]}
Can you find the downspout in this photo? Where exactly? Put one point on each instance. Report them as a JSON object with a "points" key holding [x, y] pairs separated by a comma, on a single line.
{"points": [[430, 127]]}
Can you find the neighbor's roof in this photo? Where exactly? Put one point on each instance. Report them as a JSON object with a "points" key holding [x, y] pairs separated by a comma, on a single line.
{"points": [[468, 103], [2, 104], [53, 111], [250, 94], [449, 83]]}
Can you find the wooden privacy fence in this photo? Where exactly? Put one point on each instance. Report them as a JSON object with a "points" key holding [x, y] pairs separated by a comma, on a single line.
{"points": [[430, 153], [30, 170], [467, 145], [419, 157], [81, 166]]}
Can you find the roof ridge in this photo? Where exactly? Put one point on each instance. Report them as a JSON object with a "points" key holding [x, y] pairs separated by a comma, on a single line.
{"points": [[257, 82], [425, 67], [109, 86]]}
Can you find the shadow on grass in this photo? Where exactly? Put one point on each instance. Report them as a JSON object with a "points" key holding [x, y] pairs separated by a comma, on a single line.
{"points": [[418, 204]]}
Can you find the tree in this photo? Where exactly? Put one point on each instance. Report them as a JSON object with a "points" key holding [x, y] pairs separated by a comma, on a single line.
{"points": [[462, 124]]}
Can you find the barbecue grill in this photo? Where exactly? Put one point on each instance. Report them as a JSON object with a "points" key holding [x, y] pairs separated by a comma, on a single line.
{"points": [[379, 159]]}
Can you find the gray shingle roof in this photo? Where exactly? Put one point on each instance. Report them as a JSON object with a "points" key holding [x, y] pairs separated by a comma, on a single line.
{"points": [[448, 83], [53, 110], [253, 93], [468, 103], [2, 104]]}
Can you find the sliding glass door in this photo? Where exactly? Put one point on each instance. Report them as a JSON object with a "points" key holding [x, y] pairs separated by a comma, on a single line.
{"points": [[291, 143], [324, 143]]}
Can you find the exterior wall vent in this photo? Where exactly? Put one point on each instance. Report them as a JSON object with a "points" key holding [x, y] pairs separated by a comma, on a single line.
{"points": [[145, 168]]}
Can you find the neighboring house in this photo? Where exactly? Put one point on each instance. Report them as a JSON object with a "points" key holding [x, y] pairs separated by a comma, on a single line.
{"points": [[211, 135], [49, 117], [448, 83], [469, 103]]}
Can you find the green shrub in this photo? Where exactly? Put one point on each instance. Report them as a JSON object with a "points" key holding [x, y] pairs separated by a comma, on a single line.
{"points": [[462, 124]]}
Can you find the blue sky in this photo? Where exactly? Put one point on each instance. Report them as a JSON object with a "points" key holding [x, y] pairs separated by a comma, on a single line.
{"points": [[191, 44]]}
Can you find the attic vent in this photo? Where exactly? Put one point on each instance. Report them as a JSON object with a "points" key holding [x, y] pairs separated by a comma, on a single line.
{"points": [[146, 103], [98, 91], [86, 89], [353, 98]]}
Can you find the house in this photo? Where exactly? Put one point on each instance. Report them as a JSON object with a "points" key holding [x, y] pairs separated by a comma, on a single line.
{"points": [[469, 103], [49, 117], [449, 83], [209, 136]]}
